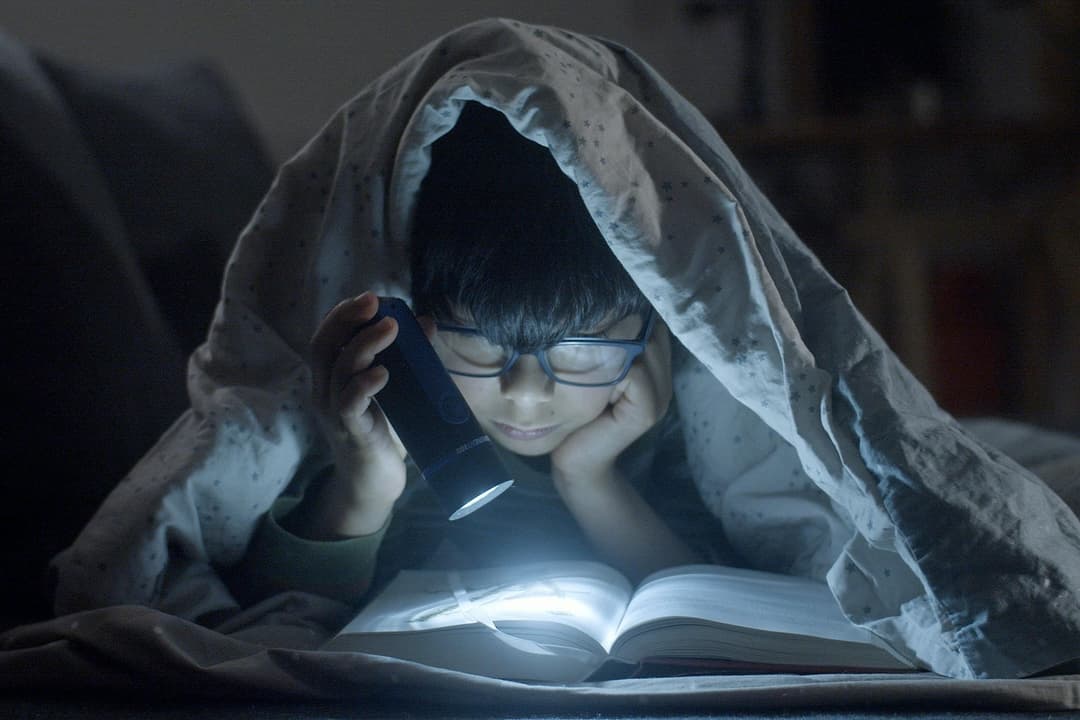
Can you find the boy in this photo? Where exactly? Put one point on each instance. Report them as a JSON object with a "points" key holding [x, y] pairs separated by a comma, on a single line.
{"points": [[506, 264]]}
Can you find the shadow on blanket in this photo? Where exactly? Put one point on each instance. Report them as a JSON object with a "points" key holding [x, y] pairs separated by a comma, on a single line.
{"points": [[120, 198]]}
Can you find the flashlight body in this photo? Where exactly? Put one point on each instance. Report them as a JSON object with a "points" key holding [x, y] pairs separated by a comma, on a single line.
{"points": [[433, 421]]}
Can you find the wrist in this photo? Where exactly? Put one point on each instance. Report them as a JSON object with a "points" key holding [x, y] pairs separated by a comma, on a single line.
{"points": [[354, 488], [337, 507], [597, 477]]}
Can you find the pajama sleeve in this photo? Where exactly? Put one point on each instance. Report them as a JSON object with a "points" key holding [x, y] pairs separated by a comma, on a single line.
{"points": [[277, 561]]}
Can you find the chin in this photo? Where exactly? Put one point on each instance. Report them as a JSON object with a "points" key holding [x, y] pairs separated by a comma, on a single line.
{"points": [[528, 449]]}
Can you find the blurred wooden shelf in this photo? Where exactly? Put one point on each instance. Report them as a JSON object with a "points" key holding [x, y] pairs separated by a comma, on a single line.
{"points": [[832, 133], [967, 293]]}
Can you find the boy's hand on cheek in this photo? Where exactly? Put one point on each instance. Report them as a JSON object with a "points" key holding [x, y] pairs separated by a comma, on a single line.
{"points": [[637, 403]]}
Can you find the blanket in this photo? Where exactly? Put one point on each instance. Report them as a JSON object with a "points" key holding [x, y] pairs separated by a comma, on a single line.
{"points": [[159, 658], [819, 451]]}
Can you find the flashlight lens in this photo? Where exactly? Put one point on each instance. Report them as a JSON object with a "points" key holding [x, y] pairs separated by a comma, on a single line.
{"points": [[482, 499]]}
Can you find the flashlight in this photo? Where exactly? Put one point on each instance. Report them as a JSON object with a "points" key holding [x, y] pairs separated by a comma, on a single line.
{"points": [[433, 421]]}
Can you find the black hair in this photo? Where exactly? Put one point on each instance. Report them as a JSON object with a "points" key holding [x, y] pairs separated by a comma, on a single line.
{"points": [[501, 234]]}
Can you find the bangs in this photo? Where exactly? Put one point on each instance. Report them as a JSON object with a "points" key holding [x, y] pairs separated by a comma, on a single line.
{"points": [[524, 296], [503, 241]]}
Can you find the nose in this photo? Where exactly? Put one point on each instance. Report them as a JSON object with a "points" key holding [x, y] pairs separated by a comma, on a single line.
{"points": [[526, 383]]}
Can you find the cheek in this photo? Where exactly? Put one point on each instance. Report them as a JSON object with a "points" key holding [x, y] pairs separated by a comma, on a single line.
{"points": [[476, 391], [588, 402]]}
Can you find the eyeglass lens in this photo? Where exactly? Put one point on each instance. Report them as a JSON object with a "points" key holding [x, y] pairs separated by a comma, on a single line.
{"points": [[569, 361]]}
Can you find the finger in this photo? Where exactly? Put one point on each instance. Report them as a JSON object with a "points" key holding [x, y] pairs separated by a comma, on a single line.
{"points": [[638, 385], [647, 392], [620, 388], [359, 353], [657, 361], [335, 329], [658, 349], [398, 445], [354, 403], [634, 410], [363, 419]]}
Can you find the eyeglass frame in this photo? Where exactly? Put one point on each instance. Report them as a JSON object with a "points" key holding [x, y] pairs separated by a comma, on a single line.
{"points": [[633, 348]]}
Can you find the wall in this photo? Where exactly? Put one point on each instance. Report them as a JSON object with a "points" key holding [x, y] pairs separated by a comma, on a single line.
{"points": [[294, 63]]}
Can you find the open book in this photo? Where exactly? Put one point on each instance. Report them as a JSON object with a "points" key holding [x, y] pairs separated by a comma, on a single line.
{"points": [[562, 621]]}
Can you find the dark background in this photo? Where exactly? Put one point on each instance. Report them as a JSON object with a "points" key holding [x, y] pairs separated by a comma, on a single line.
{"points": [[925, 149]]}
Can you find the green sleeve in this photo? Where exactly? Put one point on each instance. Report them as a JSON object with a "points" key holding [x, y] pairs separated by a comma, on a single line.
{"points": [[277, 561]]}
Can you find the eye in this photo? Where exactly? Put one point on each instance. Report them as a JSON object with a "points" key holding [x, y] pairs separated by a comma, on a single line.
{"points": [[470, 349], [585, 357]]}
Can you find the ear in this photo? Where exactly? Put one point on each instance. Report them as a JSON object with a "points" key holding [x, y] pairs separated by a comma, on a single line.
{"points": [[427, 322]]}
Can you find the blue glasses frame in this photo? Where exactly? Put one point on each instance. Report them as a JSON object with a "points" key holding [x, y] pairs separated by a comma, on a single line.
{"points": [[633, 348]]}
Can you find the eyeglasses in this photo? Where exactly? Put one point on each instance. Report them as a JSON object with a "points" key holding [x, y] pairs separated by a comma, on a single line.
{"points": [[580, 361]]}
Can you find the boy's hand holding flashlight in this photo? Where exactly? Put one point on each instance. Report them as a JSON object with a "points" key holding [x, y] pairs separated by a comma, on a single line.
{"points": [[369, 460]]}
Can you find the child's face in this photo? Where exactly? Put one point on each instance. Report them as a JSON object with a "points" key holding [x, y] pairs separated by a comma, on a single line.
{"points": [[527, 412]]}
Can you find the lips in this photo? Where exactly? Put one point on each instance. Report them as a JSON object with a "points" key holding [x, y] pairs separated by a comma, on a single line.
{"points": [[517, 433]]}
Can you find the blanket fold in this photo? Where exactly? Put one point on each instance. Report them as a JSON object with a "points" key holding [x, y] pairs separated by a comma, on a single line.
{"points": [[156, 657]]}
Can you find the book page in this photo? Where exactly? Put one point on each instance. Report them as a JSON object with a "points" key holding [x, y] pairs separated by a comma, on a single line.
{"points": [[589, 597], [743, 598]]}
